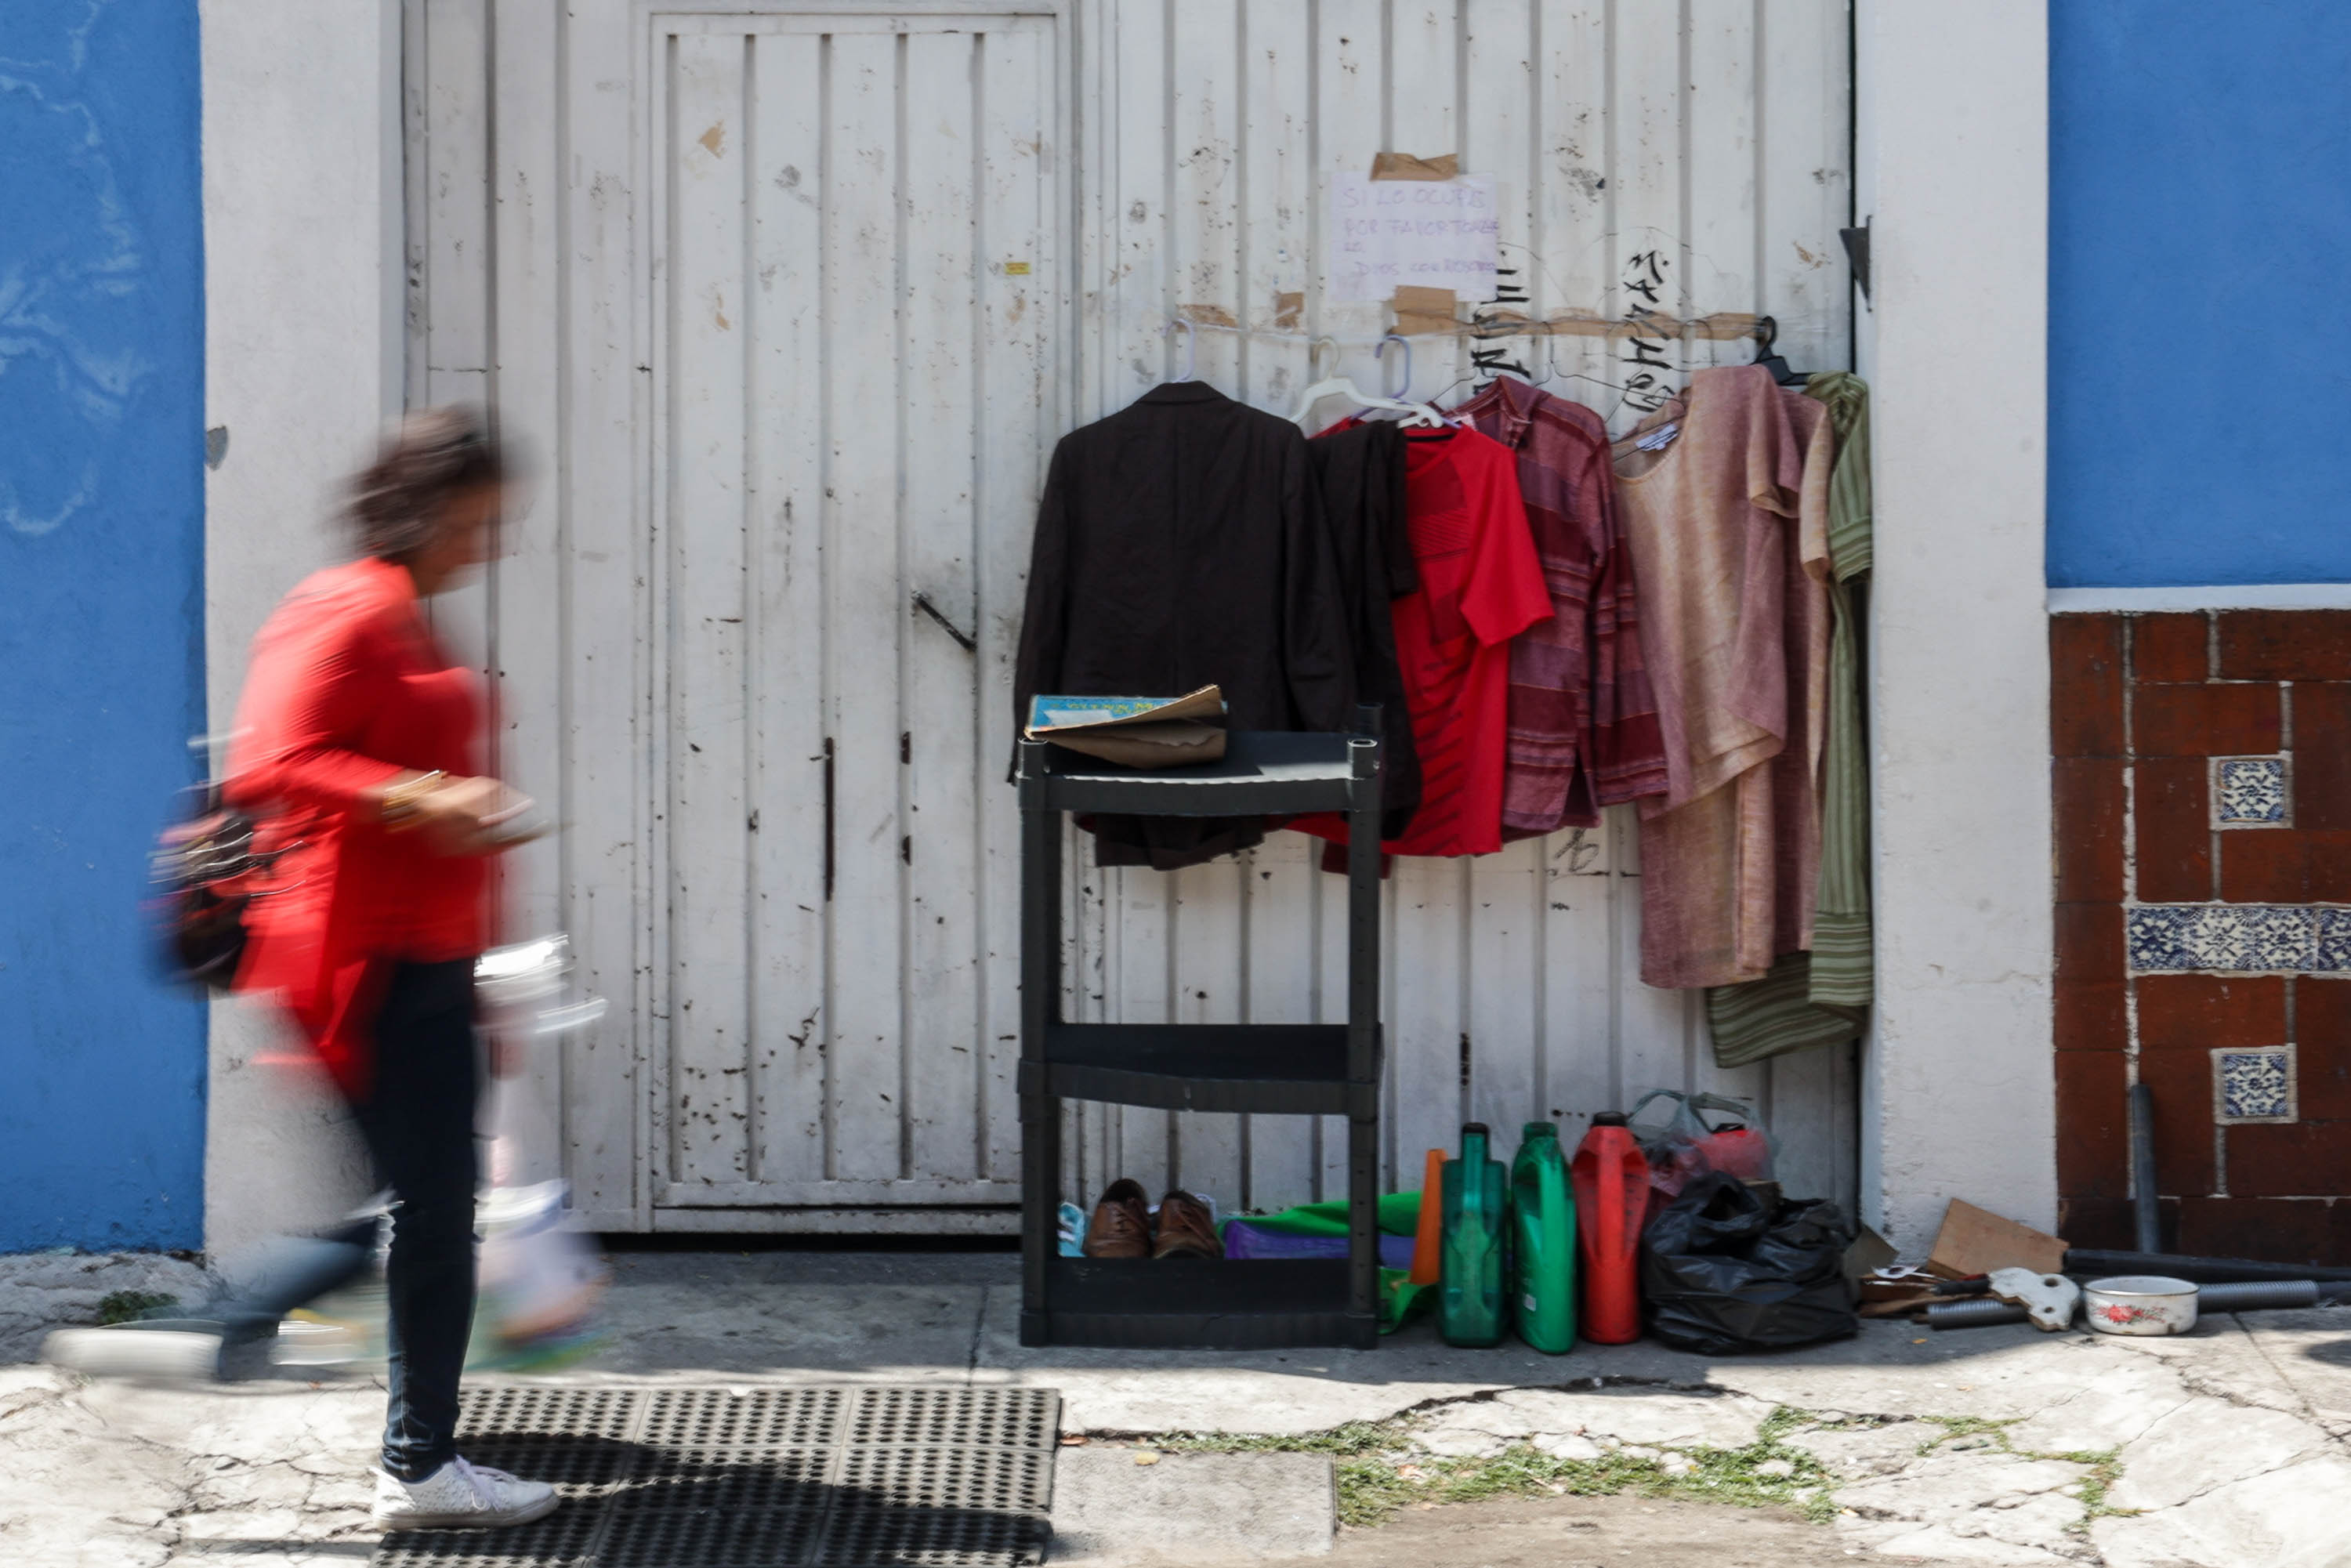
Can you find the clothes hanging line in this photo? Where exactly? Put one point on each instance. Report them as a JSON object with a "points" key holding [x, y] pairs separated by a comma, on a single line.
{"points": [[1721, 325]]}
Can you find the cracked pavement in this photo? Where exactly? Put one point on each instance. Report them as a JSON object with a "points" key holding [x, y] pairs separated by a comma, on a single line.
{"points": [[2230, 1446]]}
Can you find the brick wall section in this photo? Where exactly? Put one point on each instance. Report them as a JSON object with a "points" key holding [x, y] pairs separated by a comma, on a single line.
{"points": [[2140, 707]]}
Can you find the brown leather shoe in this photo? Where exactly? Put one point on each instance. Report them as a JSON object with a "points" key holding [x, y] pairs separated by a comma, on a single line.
{"points": [[1121, 1227], [1186, 1230]]}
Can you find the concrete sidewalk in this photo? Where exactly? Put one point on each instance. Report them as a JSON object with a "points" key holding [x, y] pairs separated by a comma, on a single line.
{"points": [[2229, 1446]]}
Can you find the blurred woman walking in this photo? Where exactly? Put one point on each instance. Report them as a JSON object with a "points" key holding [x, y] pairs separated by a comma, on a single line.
{"points": [[363, 738], [358, 747]]}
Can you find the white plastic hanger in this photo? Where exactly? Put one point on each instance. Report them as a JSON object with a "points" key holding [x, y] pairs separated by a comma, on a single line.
{"points": [[1191, 343], [1340, 386]]}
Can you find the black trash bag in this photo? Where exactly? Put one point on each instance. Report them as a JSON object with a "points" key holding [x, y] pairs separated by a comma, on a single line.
{"points": [[1722, 1271]]}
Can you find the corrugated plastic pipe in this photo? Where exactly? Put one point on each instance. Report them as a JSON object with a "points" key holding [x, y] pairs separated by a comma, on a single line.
{"points": [[2143, 1208], [2245, 1297], [2247, 1294]]}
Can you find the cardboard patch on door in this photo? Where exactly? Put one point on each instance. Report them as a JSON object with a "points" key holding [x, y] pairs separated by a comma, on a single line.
{"points": [[1207, 315], [1420, 311], [1404, 166]]}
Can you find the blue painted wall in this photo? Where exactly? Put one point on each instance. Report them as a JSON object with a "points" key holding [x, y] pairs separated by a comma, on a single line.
{"points": [[102, 613], [2200, 322]]}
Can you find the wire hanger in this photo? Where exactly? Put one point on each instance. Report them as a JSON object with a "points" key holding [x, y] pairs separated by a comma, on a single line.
{"points": [[1420, 414], [1191, 344], [1767, 332], [1489, 361], [1341, 386]]}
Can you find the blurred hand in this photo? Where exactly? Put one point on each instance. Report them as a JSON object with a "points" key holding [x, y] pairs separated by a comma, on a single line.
{"points": [[457, 816]]}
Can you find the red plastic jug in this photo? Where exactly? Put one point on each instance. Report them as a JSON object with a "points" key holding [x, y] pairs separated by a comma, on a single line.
{"points": [[1612, 1196]]}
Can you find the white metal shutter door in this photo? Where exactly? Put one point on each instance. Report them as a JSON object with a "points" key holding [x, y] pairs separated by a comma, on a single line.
{"points": [[848, 374]]}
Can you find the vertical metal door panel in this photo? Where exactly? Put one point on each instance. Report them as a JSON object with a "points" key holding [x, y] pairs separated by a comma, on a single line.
{"points": [[1278, 882], [1204, 219], [528, 601], [795, 374], [1138, 153], [941, 688], [708, 320], [1427, 1011], [1573, 245], [598, 473], [1803, 178], [1018, 383], [1583, 989], [455, 335], [790, 1021], [863, 396], [1506, 988]]}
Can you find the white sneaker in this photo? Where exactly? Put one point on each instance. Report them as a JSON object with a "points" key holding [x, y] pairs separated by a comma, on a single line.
{"points": [[460, 1496], [129, 1351]]}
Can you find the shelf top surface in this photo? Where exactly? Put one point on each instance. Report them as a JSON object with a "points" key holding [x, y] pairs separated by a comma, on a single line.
{"points": [[1251, 756]]}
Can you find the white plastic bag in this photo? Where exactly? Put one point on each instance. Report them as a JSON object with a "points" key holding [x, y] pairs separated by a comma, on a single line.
{"points": [[1698, 1133], [539, 1277], [539, 1280]]}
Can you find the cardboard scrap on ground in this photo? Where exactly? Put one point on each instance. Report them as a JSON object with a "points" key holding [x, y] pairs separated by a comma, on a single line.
{"points": [[1404, 166], [1869, 1252], [1975, 1241], [1972, 1242], [1134, 732]]}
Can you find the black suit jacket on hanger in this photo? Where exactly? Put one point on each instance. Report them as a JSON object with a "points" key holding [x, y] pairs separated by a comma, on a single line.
{"points": [[1182, 542]]}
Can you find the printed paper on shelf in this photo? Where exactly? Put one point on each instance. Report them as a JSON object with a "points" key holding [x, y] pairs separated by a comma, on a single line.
{"points": [[1436, 234], [1136, 732]]}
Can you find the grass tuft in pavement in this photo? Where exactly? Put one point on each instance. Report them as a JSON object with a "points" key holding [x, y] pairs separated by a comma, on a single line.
{"points": [[1378, 1473], [2105, 1465]]}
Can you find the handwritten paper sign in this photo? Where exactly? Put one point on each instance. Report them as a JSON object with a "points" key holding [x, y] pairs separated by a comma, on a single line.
{"points": [[1433, 234]]}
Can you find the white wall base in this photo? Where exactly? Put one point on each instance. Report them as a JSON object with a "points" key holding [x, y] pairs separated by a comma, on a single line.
{"points": [[1952, 167], [302, 366], [2214, 596]]}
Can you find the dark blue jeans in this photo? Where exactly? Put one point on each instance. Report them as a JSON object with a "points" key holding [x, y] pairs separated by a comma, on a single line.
{"points": [[418, 1122]]}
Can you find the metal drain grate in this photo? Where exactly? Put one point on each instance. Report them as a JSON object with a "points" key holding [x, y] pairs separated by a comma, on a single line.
{"points": [[760, 1477]]}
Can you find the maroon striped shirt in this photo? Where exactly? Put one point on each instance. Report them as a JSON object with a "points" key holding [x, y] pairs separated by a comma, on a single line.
{"points": [[1583, 729]]}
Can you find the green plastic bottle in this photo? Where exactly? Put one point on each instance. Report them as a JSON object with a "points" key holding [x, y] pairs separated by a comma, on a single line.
{"points": [[1469, 1310], [1543, 1255]]}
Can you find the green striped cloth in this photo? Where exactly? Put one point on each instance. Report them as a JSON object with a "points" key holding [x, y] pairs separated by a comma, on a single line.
{"points": [[1822, 997]]}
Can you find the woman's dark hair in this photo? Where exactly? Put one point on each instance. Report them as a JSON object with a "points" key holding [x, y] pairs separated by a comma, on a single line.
{"points": [[431, 456]]}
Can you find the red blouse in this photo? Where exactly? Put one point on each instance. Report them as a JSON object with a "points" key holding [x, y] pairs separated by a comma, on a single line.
{"points": [[347, 691], [1480, 585]]}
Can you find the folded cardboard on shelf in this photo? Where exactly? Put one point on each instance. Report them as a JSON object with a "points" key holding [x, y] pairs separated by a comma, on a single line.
{"points": [[1134, 732]]}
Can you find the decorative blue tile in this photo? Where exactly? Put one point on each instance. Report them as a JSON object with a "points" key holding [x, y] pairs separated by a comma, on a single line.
{"points": [[2258, 937], [2156, 934], [2277, 936], [2334, 955], [2253, 1086], [2248, 792], [2218, 939]]}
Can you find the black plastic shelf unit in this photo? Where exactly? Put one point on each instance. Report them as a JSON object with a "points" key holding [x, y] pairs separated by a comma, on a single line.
{"points": [[1307, 1069]]}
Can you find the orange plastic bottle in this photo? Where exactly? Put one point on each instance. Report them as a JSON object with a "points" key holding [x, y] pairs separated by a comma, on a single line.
{"points": [[1428, 1240], [1612, 1196]]}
